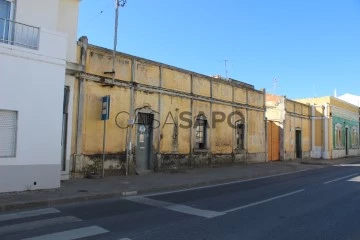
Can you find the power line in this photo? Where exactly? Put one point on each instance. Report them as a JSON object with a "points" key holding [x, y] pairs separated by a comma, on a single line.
{"points": [[97, 15]]}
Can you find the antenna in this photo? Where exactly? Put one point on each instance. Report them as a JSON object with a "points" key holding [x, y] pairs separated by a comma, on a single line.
{"points": [[226, 61], [275, 84], [226, 70]]}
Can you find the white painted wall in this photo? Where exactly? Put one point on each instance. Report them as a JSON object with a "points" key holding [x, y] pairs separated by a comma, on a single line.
{"points": [[68, 23], [350, 98], [32, 83], [39, 13]]}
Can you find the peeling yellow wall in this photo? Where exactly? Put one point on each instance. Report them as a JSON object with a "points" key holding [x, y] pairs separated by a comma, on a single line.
{"points": [[306, 135], [98, 63], [74, 118], [221, 132], [93, 126], [306, 110], [222, 91], [147, 74], [240, 95], [220, 140], [174, 105], [256, 132], [298, 108], [255, 99], [176, 80], [293, 123], [289, 106], [201, 86]]}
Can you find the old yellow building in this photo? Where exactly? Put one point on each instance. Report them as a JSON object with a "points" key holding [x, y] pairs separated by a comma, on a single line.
{"points": [[289, 128], [335, 127], [162, 116]]}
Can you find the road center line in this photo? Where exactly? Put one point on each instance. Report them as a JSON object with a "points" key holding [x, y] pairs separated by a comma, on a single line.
{"points": [[341, 178], [263, 201], [176, 207]]}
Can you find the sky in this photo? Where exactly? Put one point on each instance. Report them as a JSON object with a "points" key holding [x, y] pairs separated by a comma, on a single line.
{"points": [[296, 48]]}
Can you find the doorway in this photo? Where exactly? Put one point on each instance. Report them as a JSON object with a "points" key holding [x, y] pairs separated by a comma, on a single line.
{"points": [[273, 141], [144, 136], [298, 144], [346, 141], [64, 128]]}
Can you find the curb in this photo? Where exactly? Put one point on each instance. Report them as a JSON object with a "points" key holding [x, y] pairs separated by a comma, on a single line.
{"points": [[329, 163], [102, 196]]}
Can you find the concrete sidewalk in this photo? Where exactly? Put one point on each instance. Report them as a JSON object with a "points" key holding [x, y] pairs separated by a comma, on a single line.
{"points": [[79, 190], [346, 160]]}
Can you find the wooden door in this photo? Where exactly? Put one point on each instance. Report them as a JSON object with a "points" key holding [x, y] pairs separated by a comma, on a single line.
{"points": [[273, 141]]}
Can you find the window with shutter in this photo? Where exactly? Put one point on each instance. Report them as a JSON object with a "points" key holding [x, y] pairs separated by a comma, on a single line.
{"points": [[8, 131]]}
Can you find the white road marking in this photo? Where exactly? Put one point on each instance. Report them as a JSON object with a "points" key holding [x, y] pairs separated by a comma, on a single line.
{"points": [[72, 234], [338, 179], [24, 214], [348, 165], [37, 224], [263, 201], [176, 207], [124, 239], [222, 184], [355, 179]]}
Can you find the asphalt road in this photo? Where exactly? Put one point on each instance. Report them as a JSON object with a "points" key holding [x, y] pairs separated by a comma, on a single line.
{"points": [[316, 204]]}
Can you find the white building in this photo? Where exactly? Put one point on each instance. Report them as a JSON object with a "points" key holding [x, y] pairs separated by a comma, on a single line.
{"points": [[37, 48], [351, 98]]}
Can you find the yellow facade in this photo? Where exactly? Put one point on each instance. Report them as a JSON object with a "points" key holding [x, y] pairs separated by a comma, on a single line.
{"points": [[332, 117], [294, 122], [175, 99]]}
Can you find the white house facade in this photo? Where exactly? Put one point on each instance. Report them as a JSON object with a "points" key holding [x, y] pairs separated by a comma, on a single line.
{"points": [[37, 46]]}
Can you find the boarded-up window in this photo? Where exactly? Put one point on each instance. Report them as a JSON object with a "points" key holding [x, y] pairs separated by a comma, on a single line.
{"points": [[8, 127], [240, 136], [200, 132]]}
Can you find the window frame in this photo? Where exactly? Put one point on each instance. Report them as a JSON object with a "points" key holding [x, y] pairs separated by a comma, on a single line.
{"points": [[354, 137], [15, 133], [201, 122], [240, 125], [12, 9], [338, 132], [9, 29]]}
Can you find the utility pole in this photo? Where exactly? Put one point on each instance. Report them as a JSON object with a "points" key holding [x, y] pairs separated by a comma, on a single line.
{"points": [[118, 4]]}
